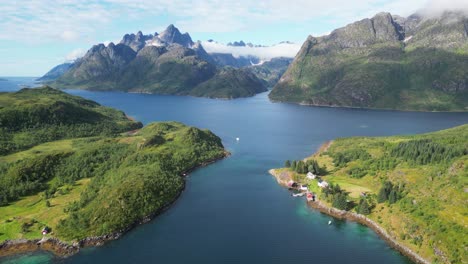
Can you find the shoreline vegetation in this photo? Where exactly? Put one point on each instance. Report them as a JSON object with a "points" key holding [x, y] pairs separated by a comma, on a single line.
{"points": [[361, 219], [74, 173], [366, 108], [63, 249], [411, 190]]}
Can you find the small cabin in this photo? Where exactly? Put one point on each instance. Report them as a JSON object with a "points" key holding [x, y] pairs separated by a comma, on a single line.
{"points": [[322, 184], [303, 187], [310, 197], [311, 176]]}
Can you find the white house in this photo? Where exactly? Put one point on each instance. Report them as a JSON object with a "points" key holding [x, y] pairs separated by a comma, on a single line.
{"points": [[303, 188], [322, 184], [311, 176]]}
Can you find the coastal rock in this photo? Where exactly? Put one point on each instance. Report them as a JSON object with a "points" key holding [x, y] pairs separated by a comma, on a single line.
{"points": [[11, 247], [351, 216]]}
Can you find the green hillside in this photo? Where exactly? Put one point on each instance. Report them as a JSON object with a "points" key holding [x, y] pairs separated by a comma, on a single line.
{"points": [[32, 116], [173, 65], [230, 83], [91, 184], [385, 62], [415, 187]]}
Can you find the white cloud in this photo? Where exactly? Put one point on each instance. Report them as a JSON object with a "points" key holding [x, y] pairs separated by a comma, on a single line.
{"points": [[69, 35], [437, 7], [75, 54], [42, 21], [67, 20], [265, 53]]}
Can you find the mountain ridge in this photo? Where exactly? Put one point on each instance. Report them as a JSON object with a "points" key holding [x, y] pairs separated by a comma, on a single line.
{"points": [[386, 62], [165, 63]]}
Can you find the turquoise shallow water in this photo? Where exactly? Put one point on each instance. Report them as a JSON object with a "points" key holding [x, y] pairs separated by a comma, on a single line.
{"points": [[233, 211]]}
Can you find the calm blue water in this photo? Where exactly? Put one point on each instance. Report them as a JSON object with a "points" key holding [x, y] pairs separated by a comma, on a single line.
{"points": [[233, 211]]}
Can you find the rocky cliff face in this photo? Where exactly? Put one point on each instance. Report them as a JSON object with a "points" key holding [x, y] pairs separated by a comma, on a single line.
{"points": [[135, 42], [414, 63], [172, 35], [166, 63], [100, 65]]}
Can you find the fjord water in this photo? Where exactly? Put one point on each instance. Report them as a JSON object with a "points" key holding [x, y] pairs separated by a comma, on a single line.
{"points": [[233, 211]]}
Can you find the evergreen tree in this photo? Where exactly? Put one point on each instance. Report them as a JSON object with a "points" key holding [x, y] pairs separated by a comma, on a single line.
{"points": [[392, 197], [337, 188], [293, 165], [339, 201], [316, 167], [311, 169], [363, 207], [300, 167], [3, 200], [303, 168], [287, 164], [382, 196]]}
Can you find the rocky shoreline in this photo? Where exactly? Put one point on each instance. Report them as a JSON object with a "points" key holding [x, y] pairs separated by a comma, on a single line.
{"points": [[351, 216], [63, 249], [303, 103]]}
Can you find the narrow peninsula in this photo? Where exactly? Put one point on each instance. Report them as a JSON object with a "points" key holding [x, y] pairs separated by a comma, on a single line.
{"points": [[74, 173], [411, 190]]}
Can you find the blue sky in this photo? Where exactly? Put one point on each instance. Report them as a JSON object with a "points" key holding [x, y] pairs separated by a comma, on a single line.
{"points": [[36, 35]]}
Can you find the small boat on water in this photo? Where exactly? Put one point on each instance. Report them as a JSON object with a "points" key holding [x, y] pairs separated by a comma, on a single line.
{"points": [[329, 222]]}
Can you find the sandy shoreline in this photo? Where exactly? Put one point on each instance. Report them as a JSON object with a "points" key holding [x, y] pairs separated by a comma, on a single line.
{"points": [[63, 249], [351, 216]]}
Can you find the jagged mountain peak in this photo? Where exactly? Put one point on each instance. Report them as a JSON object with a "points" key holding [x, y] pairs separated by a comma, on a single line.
{"points": [[386, 61], [171, 28], [383, 15], [237, 44], [172, 35], [135, 41]]}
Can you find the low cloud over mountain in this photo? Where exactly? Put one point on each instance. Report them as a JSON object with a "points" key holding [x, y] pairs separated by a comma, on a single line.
{"points": [[283, 49]]}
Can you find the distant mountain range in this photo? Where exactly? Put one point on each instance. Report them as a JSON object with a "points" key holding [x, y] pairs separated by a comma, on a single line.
{"points": [[271, 71], [55, 72], [391, 62], [166, 63]]}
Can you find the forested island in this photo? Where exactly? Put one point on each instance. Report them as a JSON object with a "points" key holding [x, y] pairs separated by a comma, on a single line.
{"points": [[412, 187], [74, 173]]}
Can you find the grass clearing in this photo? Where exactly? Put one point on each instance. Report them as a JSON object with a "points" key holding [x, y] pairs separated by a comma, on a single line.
{"points": [[33, 210], [431, 169]]}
